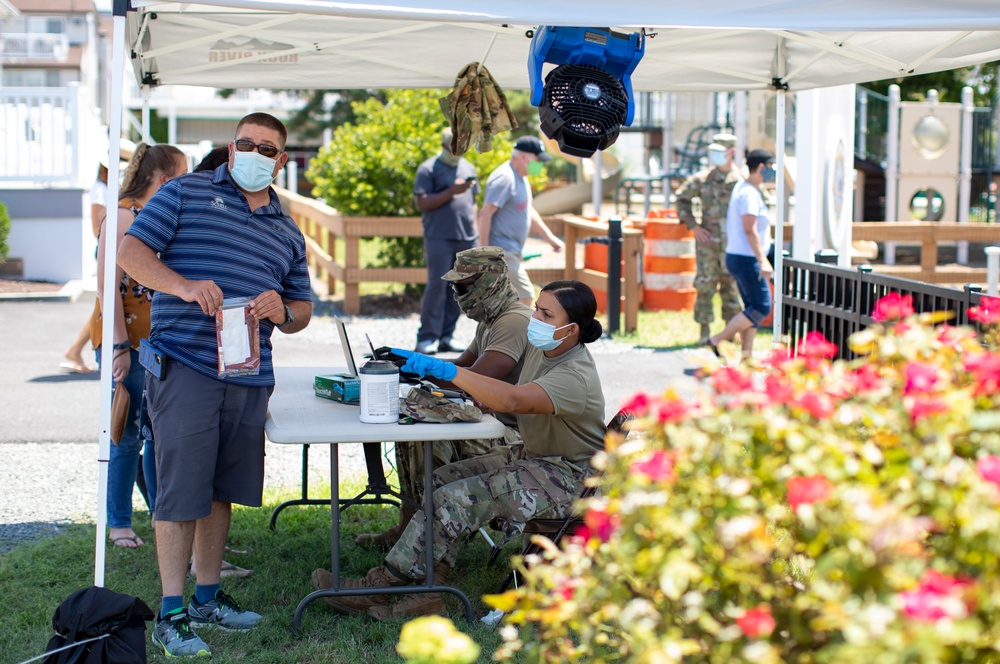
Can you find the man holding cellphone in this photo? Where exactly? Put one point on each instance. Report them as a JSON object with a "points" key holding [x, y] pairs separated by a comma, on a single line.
{"points": [[445, 193]]}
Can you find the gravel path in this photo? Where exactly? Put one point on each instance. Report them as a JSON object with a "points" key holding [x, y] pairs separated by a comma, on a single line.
{"points": [[49, 479]]}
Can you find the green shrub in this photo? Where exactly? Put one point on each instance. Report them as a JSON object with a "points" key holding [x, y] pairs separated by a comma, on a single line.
{"points": [[796, 510], [368, 168], [4, 232]]}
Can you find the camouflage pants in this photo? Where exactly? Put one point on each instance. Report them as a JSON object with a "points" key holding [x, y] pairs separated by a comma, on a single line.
{"points": [[469, 494], [712, 275], [410, 458]]}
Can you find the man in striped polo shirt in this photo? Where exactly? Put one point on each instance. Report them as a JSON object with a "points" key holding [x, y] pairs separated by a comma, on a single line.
{"points": [[203, 238]]}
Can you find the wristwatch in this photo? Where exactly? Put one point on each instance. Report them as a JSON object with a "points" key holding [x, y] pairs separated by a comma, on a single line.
{"points": [[289, 317]]}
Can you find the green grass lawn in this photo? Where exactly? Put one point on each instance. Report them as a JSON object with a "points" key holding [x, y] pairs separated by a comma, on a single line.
{"points": [[673, 330], [37, 577]]}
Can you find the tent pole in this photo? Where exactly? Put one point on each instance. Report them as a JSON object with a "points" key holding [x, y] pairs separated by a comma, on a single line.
{"points": [[110, 291], [781, 88], [779, 217]]}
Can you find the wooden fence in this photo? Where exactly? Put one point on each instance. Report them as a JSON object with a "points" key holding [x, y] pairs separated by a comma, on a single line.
{"points": [[323, 227]]}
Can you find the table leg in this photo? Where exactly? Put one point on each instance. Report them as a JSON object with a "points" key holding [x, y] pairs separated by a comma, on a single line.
{"points": [[429, 585]]}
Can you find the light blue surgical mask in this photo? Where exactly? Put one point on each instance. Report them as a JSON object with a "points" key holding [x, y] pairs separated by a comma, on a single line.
{"points": [[535, 167], [252, 171], [768, 172], [717, 158], [542, 335]]}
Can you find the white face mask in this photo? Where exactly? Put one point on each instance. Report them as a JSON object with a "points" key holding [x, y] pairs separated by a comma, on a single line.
{"points": [[542, 335], [253, 171], [717, 158]]}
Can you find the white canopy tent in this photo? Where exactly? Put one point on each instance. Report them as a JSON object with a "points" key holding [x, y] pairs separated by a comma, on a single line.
{"points": [[719, 46]]}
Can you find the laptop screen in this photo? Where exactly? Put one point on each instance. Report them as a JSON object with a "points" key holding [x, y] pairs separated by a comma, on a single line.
{"points": [[346, 345]]}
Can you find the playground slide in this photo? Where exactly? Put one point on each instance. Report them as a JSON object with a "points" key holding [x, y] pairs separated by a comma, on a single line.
{"points": [[572, 197]]}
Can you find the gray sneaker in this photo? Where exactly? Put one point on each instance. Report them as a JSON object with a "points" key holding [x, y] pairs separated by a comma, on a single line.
{"points": [[174, 635], [222, 612]]}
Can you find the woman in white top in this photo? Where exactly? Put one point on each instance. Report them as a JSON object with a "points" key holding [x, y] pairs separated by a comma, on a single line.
{"points": [[748, 233]]}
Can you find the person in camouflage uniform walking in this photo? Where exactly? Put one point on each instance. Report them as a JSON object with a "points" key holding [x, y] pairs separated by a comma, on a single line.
{"points": [[712, 187], [480, 284], [560, 413]]}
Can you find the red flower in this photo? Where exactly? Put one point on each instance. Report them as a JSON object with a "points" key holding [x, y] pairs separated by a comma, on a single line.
{"points": [[599, 524], [658, 467], [920, 377], [816, 345], [988, 468], [893, 307], [671, 410], [923, 406], [638, 404], [565, 589], [937, 596], [818, 405], [808, 490], [985, 370], [865, 378], [988, 311], [731, 380], [756, 622], [777, 389]]}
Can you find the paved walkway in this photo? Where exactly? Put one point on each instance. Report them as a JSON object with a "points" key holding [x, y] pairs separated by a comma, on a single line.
{"points": [[48, 433]]}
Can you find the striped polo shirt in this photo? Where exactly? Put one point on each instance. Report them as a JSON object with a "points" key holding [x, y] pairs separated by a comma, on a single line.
{"points": [[203, 229]]}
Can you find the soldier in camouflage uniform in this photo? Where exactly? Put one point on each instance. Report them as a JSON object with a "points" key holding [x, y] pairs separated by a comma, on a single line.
{"points": [[560, 408], [712, 187], [480, 284]]}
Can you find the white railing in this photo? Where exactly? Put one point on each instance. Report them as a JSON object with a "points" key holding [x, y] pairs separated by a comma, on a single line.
{"points": [[48, 135], [34, 46]]}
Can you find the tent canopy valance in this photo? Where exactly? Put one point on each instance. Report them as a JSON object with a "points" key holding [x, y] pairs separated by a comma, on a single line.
{"points": [[724, 45]]}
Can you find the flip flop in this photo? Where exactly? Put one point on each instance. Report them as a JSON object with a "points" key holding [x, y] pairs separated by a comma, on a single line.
{"points": [[236, 552], [229, 569], [713, 348], [134, 539], [76, 367]]}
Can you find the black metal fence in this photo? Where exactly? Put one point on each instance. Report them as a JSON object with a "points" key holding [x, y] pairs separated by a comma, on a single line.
{"points": [[839, 301]]}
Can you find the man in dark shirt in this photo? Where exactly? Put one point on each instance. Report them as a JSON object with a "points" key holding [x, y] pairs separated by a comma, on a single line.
{"points": [[445, 192]]}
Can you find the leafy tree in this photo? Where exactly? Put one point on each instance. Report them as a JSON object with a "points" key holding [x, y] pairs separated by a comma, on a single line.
{"points": [[949, 84], [4, 232], [368, 168]]}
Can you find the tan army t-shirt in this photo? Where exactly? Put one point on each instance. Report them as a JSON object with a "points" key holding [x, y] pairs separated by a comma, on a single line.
{"points": [[576, 430], [507, 334]]}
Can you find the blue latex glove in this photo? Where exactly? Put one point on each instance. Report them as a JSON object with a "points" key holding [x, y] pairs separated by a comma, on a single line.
{"points": [[425, 365]]}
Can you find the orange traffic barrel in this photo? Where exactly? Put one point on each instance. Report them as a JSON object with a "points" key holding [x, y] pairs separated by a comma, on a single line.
{"points": [[668, 266]]}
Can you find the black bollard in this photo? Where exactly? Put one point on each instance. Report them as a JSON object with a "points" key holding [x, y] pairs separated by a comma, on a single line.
{"points": [[614, 273]]}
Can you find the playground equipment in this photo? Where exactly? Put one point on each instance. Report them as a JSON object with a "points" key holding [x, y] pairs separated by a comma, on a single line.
{"points": [[571, 198]]}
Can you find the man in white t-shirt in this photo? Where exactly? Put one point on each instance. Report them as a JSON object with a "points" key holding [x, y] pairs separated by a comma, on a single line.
{"points": [[507, 215], [748, 239]]}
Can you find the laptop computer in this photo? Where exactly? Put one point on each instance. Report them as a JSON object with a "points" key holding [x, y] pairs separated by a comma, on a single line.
{"points": [[345, 343]]}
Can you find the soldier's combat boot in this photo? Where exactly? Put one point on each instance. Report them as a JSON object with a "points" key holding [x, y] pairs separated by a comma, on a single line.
{"points": [[386, 540], [353, 605], [416, 604], [706, 332]]}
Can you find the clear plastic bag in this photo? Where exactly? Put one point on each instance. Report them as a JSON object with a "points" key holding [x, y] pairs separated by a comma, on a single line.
{"points": [[237, 334]]}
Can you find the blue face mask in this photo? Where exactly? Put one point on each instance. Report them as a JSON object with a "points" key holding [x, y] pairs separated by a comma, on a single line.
{"points": [[252, 171], [542, 335], [768, 172], [716, 158]]}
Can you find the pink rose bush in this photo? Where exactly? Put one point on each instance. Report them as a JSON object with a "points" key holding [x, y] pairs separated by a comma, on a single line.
{"points": [[799, 509]]}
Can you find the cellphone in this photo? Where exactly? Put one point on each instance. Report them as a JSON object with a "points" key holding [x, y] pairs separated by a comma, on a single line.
{"points": [[152, 359], [471, 178]]}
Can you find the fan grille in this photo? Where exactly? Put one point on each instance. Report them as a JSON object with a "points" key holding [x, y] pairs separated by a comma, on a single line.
{"points": [[583, 108]]}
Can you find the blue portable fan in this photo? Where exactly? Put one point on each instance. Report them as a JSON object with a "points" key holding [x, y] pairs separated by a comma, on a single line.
{"points": [[588, 96]]}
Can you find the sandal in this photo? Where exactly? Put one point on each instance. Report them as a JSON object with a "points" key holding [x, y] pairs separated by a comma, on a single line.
{"points": [[714, 348], [120, 542]]}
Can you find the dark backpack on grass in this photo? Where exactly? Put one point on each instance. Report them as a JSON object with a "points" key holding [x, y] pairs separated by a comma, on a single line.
{"points": [[96, 612]]}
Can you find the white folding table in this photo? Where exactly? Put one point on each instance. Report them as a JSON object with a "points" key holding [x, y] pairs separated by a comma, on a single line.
{"points": [[297, 417]]}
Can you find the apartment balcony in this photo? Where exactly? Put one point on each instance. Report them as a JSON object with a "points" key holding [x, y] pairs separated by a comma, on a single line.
{"points": [[33, 47]]}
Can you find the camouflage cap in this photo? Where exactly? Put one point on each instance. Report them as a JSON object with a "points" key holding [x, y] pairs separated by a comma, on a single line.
{"points": [[424, 406], [723, 142], [475, 261]]}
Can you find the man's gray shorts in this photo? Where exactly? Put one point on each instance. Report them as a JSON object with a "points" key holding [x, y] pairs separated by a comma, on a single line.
{"points": [[519, 276], [209, 442]]}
